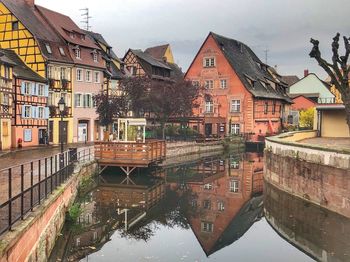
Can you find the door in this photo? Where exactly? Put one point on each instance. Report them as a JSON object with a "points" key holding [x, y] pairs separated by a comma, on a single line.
{"points": [[42, 136], [208, 130], [63, 132], [51, 131], [82, 132]]}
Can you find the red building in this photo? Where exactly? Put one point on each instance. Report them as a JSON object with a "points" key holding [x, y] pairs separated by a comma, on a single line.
{"points": [[301, 102], [242, 94]]}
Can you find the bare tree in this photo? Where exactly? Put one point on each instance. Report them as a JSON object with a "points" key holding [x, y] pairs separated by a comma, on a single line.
{"points": [[338, 69]]}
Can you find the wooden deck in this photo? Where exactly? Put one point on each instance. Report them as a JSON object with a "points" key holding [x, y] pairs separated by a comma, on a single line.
{"points": [[129, 154]]}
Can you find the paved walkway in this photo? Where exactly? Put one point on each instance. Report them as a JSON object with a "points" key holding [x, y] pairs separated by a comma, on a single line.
{"points": [[337, 143]]}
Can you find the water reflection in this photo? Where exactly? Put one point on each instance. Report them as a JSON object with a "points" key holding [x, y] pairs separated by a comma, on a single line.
{"points": [[322, 234], [196, 212]]}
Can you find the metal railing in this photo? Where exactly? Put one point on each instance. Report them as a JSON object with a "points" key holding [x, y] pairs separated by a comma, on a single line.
{"points": [[326, 100], [25, 186]]}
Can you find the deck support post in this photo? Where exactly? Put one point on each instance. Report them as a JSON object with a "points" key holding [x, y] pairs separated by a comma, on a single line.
{"points": [[128, 170]]}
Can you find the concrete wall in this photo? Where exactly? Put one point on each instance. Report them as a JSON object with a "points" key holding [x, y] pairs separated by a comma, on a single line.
{"points": [[34, 238], [319, 175], [334, 124]]}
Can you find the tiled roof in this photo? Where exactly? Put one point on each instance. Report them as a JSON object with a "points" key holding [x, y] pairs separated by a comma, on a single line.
{"points": [[248, 67], [290, 80], [20, 69], [157, 52], [149, 59], [31, 18]]}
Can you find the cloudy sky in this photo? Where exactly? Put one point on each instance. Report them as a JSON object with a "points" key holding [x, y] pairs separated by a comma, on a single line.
{"points": [[283, 27]]}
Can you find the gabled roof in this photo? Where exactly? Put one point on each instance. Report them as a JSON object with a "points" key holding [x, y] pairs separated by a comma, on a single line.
{"points": [[149, 59], [20, 69], [64, 25], [246, 64], [157, 52], [311, 84], [31, 18]]}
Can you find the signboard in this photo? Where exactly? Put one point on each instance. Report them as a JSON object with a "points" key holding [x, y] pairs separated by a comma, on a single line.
{"points": [[27, 135]]}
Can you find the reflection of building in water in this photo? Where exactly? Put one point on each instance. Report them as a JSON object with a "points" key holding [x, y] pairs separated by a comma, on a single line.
{"points": [[114, 204], [224, 206], [320, 233]]}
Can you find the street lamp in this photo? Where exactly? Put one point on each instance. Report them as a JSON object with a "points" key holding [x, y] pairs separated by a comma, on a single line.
{"points": [[61, 108]]}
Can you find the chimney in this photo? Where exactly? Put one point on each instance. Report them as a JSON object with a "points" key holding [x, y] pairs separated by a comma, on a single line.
{"points": [[31, 3], [306, 72]]}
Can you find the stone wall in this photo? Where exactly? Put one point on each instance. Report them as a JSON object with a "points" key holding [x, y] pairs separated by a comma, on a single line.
{"points": [[318, 175], [34, 238], [187, 148]]}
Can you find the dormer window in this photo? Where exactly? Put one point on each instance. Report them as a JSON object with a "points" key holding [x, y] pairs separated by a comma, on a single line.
{"points": [[77, 52], [62, 51], [95, 56], [15, 25], [48, 48], [72, 35]]}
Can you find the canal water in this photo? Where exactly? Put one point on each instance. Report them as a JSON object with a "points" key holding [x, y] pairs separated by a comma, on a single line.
{"points": [[216, 209]]}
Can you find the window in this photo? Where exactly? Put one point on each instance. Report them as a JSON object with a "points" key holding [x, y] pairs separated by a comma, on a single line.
{"points": [[87, 100], [50, 72], [77, 52], [7, 72], [15, 25], [235, 129], [77, 100], [97, 77], [209, 62], [234, 186], [221, 206], [50, 100], [48, 48], [234, 164], [209, 84], [223, 83], [236, 106], [274, 108], [62, 51], [27, 88], [95, 56], [266, 108], [88, 76], [79, 74], [209, 107], [41, 112], [26, 111], [207, 227], [195, 83], [41, 90], [63, 73], [6, 99], [208, 186], [207, 204]]}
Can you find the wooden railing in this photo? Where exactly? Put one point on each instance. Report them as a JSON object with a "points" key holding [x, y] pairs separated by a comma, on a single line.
{"points": [[130, 153]]}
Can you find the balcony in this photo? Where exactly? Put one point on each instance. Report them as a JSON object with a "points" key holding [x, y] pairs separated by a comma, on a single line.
{"points": [[60, 84], [326, 100]]}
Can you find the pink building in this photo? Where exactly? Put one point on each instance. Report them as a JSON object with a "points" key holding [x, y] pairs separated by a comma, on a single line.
{"points": [[87, 74]]}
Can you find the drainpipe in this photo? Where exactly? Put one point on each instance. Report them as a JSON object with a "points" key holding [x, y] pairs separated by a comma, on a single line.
{"points": [[319, 123]]}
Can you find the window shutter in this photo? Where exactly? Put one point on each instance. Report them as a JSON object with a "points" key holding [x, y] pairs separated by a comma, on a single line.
{"points": [[46, 113], [22, 87], [23, 111], [46, 92], [33, 89], [1, 98], [84, 101], [34, 111]]}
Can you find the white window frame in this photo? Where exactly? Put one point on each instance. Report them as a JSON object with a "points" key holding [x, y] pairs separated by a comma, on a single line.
{"points": [[95, 57], [208, 186], [223, 83], [221, 206], [79, 76], [97, 77], [234, 186], [77, 53], [62, 51], [48, 48], [88, 76], [235, 129], [42, 110], [80, 100], [6, 99], [209, 84], [41, 90], [27, 89], [209, 62], [235, 106], [207, 227], [209, 107]]}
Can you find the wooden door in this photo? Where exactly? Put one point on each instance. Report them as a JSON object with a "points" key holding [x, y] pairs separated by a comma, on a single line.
{"points": [[63, 132]]}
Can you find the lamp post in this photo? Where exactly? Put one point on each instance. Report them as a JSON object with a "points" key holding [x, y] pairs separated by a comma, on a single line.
{"points": [[61, 108]]}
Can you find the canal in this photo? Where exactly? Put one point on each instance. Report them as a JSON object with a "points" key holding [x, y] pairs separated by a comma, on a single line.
{"points": [[216, 209]]}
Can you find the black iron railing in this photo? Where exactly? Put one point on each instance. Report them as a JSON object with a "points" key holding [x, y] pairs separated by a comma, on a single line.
{"points": [[26, 186]]}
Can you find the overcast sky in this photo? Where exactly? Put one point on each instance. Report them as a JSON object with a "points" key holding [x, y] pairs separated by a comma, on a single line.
{"points": [[283, 27]]}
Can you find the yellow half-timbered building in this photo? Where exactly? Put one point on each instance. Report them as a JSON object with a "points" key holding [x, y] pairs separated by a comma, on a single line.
{"points": [[24, 30]]}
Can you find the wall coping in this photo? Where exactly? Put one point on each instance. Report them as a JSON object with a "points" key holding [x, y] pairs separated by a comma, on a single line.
{"points": [[279, 140]]}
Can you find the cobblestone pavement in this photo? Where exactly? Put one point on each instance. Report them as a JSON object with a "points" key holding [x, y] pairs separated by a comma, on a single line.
{"points": [[337, 143]]}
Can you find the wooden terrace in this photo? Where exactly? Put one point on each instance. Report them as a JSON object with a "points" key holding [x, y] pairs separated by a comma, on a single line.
{"points": [[130, 154]]}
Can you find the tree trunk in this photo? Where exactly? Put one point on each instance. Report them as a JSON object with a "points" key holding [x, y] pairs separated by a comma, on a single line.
{"points": [[163, 130], [346, 102]]}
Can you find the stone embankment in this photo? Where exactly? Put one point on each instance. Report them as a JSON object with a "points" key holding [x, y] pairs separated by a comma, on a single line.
{"points": [[33, 238], [315, 173]]}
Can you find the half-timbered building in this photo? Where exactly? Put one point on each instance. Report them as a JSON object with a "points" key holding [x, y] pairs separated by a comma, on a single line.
{"points": [[30, 113], [87, 74], [24, 30], [6, 67], [241, 94]]}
